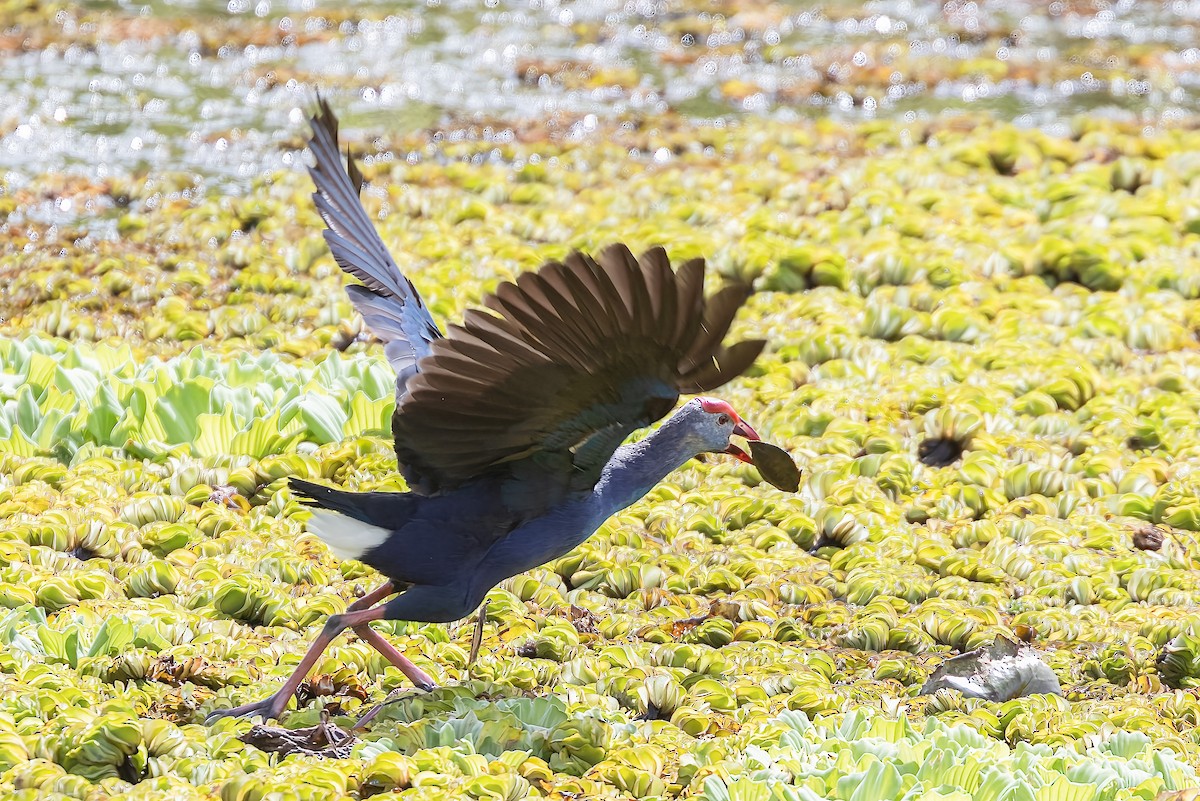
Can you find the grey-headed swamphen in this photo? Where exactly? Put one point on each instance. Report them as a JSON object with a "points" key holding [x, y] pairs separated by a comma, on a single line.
{"points": [[508, 429]]}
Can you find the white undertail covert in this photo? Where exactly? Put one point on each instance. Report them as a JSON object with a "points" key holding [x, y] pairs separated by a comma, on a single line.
{"points": [[346, 537]]}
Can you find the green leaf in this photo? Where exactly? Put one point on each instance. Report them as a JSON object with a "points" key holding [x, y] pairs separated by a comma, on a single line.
{"points": [[178, 409], [12, 352], [150, 639], [378, 380], [41, 372], [368, 415], [77, 381], [995, 785], [29, 414], [854, 724], [54, 399], [240, 400], [1063, 789], [1173, 772], [892, 730], [154, 449], [964, 774], [332, 370], [1126, 744], [53, 428], [14, 620], [103, 359], [101, 419], [60, 646], [745, 789], [114, 636], [881, 782], [19, 444], [215, 434], [251, 372], [264, 437], [140, 423], [289, 405], [946, 792], [544, 712], [324, 418]]}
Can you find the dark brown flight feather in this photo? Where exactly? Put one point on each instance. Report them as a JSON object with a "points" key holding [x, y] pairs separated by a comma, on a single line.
{"points": [[584, 348]]}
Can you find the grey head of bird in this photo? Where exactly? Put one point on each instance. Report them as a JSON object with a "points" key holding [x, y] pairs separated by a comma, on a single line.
{"points": [[710, 424]]}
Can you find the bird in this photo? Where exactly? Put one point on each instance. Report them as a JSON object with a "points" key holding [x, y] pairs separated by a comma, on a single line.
{"points": [[510, 427]]}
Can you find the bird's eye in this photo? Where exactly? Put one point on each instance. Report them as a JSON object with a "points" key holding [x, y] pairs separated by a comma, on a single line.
{"points": [[723, 419]]}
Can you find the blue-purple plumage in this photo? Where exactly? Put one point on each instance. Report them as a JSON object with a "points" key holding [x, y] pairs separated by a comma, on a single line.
{"points": [[470, 539]]}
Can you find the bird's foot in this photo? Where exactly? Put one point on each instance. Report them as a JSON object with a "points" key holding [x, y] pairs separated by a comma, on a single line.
{"points": [[270, 708], [394, 695]]}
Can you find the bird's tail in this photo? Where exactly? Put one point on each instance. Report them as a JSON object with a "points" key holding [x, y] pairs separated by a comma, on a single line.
{"points": [[345, 521], [326, 497]]}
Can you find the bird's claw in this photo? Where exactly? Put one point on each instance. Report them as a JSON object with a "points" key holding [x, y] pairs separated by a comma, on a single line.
{"points": [[269, 708], [394, 695]]}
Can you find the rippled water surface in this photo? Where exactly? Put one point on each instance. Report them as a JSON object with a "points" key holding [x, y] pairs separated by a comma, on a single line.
{"points": [[213, 88]]}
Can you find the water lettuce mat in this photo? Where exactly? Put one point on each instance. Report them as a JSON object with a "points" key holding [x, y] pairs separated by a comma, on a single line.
{"points": [[983, 353]]}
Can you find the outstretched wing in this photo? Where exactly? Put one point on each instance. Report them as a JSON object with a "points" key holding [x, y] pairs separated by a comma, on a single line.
{"points": [[387, 300], [575, 357]]}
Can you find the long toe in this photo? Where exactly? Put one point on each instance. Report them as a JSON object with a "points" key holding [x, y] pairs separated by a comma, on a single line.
{"points": [[394, 695], [269, 708]]}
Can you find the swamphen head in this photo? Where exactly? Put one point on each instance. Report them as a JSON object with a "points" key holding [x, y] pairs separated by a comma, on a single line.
{"points": [[713, 422]]}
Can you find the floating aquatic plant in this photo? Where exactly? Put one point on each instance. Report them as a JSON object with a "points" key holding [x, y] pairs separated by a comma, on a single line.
{"points": [[982, 358]]}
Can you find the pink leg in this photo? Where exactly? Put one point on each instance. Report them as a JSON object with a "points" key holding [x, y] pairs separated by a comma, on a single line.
{"points": [[273, 706], [476, 639], [376, 640]]}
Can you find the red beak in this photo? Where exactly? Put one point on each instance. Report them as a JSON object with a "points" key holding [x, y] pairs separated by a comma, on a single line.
{"points": [[742, 429]]}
